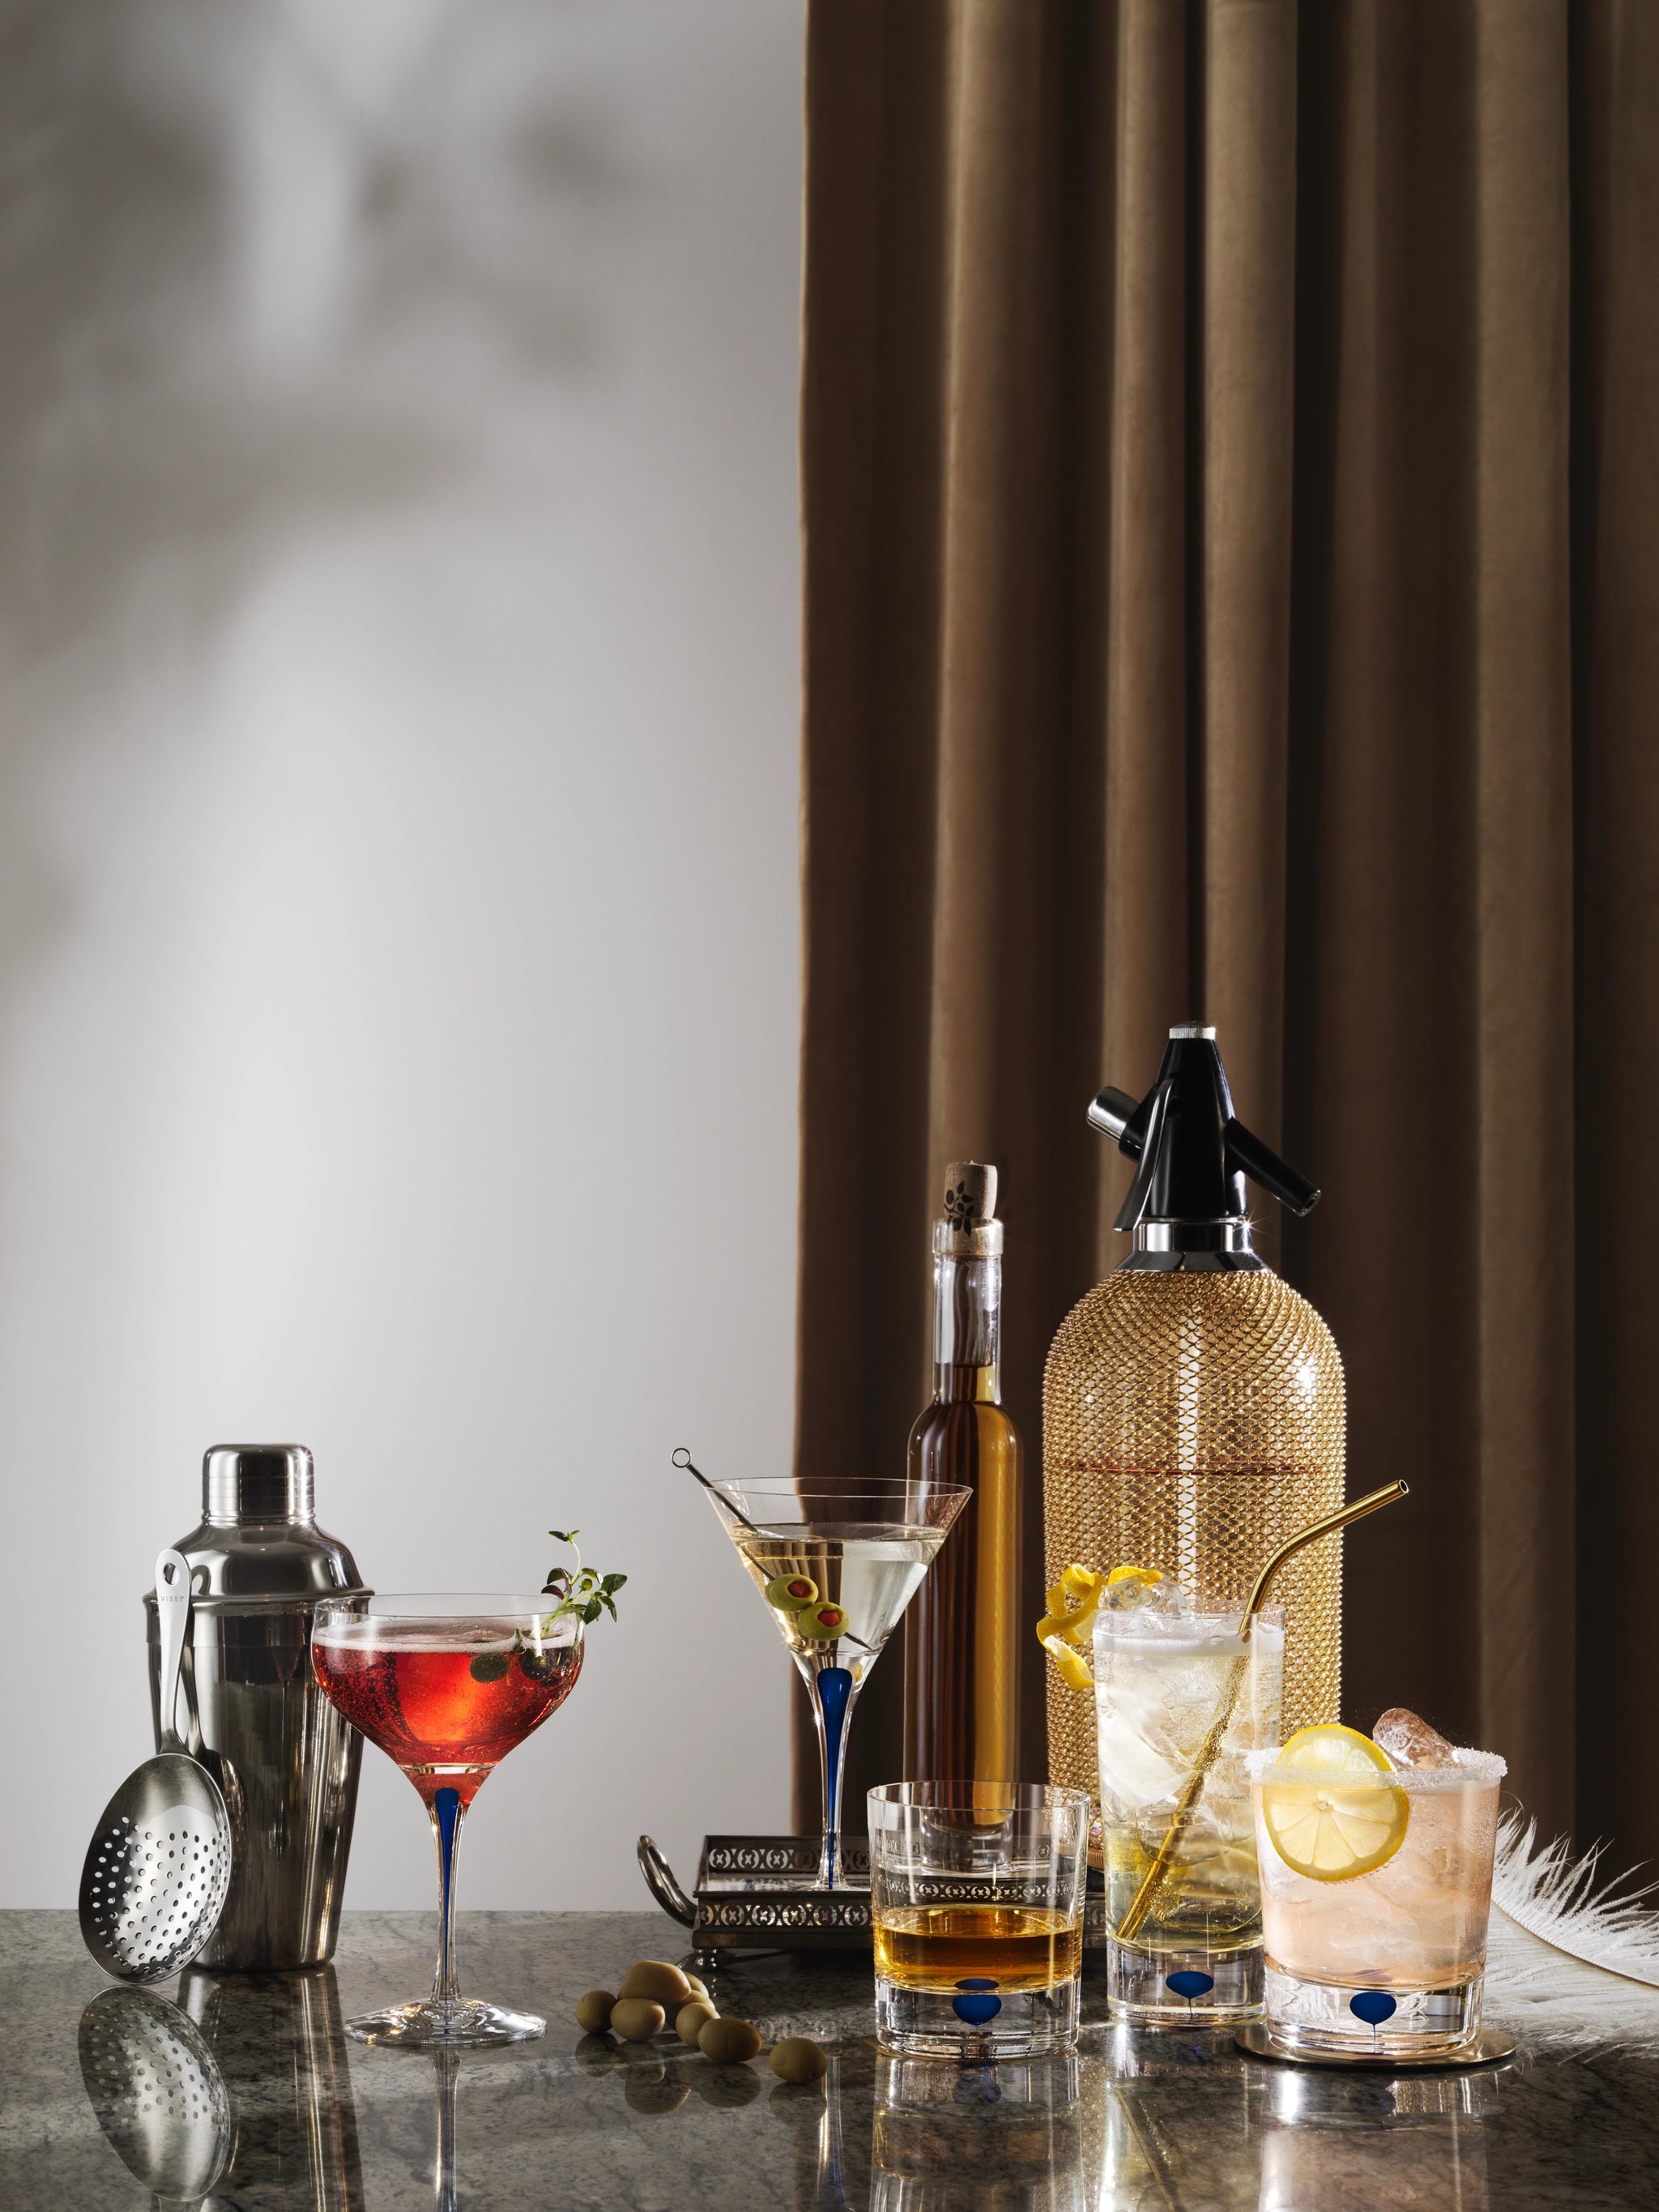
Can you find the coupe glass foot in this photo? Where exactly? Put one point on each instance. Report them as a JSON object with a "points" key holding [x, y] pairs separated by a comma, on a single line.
{"points": [[452, 2027]]}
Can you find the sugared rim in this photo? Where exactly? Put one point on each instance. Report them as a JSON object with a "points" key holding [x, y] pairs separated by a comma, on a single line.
{"points": [[1482, 1766]]}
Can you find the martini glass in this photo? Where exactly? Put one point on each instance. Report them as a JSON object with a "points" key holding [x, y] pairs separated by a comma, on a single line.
{"points": [[446, 1686], [836, 1568]]}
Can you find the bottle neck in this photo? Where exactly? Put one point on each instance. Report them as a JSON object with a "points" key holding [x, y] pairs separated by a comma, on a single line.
{"points": [[967, 1328]]}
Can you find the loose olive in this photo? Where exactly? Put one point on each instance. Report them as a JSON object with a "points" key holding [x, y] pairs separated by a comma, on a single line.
{"points": [[790, 1592], [728, 2042], [701, 1990], [822, 1624], [636, 2021], [593, 2011], [797, 2059], [690, 2019], [655, 1979]]}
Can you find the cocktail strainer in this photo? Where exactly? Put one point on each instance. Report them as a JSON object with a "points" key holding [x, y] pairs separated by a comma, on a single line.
{"points": [[159, 1864], [157, 2092]]}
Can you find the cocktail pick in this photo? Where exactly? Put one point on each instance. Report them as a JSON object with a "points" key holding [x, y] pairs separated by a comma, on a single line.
{"points": [[1141, 1903], [683, 1458]]}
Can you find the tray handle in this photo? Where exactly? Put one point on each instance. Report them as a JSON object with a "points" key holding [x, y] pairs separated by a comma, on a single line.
{"points": [[659, 1881]]}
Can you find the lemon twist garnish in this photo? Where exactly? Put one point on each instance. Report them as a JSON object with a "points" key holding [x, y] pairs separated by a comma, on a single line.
{"points": [[1073, 1604], [1333, 1829]]}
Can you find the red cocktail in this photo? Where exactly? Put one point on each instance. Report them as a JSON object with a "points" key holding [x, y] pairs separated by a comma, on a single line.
{"points": [[447, 1686], [448, 1720]]}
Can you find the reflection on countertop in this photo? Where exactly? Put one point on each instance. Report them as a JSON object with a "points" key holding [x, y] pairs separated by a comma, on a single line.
{"points": [[244, 2092]]}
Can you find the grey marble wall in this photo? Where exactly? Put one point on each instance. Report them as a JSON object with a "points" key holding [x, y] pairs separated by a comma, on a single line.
{"points": [[399, 945]]}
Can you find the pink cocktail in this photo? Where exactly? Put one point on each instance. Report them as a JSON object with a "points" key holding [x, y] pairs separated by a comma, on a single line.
{"points": [[446, 1686]]}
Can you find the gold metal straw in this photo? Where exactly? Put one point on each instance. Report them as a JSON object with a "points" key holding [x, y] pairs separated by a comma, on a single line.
{"points": [[1141, 1903]]}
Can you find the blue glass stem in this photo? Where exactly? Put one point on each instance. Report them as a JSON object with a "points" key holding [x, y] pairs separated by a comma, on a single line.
{"points": [[447, 1814], [834, 1692]]}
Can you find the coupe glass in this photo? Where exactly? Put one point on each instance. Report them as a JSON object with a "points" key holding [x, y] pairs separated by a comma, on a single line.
{"points": [[446, 1686], [836, 1568]]}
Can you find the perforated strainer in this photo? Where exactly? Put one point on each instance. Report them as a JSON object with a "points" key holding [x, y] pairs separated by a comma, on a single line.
{"points": [[158, 2094], [159, 1864]]}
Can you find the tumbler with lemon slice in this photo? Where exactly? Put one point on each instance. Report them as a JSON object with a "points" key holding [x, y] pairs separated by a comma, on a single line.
{"points": [[1377, 1862]]}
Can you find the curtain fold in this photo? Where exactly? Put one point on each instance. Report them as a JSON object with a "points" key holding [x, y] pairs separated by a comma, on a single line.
{"points": [[1229, 477]]}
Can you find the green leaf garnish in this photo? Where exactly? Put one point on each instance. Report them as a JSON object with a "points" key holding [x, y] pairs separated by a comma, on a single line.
{"points": [[579, 1590]]}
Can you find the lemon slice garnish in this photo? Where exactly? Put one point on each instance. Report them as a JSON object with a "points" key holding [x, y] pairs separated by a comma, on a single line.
{"points": [[1334, 1829]]}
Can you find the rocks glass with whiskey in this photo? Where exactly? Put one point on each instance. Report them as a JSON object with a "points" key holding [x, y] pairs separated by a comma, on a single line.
{"points": [[1377, 1867], [1165, 1668], [976, 1909], [446, 1686]]}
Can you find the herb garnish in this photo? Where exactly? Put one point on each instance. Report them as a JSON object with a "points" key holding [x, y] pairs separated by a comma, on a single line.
{"points": [[579, 1589]]}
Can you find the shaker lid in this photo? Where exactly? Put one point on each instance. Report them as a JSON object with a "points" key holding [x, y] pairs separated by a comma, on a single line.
{"points": [[258, 1482]]}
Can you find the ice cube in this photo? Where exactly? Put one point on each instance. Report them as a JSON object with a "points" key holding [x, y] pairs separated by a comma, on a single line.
{"points": [[1410, 1741], [1172, 1600], [1130, 1594], [1130, 1769], [1152, 1592]]}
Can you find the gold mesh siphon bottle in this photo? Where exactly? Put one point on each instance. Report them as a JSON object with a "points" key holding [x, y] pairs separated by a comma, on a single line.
{"points": [[1194, 1408]]}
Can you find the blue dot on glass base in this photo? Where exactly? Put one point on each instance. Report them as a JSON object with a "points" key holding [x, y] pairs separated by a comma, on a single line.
{"points": [[1373, 2007], [1189, 1983], [978, 2005]]}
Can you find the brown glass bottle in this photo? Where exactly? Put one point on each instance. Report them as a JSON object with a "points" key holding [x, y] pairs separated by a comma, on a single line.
{"points": [[962, 1632]]}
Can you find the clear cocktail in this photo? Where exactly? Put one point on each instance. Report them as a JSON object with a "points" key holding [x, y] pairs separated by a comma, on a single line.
{"points": [[836, 1569], [1164, 1673], [1377, 1867]]}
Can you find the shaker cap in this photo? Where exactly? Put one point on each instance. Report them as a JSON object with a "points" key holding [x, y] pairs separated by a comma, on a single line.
{"points": [[258, 1482]]}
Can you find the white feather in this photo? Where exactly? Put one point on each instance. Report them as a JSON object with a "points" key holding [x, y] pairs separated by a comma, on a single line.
{"points": [[1553, 1895]]}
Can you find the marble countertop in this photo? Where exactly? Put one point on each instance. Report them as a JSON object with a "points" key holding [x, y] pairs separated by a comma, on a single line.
{"points": [[294, 2114]]}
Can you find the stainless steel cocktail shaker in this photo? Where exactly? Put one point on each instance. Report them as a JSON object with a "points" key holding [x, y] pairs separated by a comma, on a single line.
{"points": [[285, 1759]]}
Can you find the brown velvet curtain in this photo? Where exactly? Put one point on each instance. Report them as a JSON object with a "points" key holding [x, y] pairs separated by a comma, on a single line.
{"points": [[1231, 499]]}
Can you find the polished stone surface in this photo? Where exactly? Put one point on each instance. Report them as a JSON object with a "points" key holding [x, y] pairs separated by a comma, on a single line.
{"points": [[291, 2114]]}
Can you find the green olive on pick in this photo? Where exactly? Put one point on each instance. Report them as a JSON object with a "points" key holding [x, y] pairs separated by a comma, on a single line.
{"points": [[822, 1624], [790, 1592]]}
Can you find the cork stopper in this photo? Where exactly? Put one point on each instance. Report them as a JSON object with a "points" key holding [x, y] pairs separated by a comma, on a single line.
{"points": [[967, 1226]]}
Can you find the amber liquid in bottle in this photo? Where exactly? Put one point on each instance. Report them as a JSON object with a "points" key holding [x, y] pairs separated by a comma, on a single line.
{"points": [[962, 1632]]}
